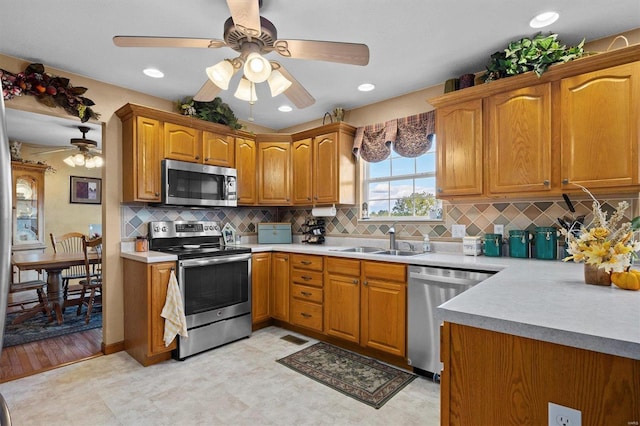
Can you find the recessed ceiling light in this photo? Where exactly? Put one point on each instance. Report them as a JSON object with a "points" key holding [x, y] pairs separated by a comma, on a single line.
{"points": [[285, 108], [544, 19], [153, 72], [366, 87]]}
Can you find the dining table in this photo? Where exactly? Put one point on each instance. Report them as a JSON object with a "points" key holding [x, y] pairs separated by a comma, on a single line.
{"points": [[53, 264]]}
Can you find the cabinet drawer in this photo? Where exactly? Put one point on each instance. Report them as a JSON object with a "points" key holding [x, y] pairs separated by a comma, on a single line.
{"points": [[343, 266], [311, 294], [306, 314], [305, 261], [301, 276], [385, 271]]}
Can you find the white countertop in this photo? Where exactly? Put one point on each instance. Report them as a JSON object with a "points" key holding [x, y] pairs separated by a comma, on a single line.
{"points": [[538, 299]]}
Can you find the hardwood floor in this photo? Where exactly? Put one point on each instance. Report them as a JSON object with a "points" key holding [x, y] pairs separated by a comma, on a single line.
{"points": [[36, 357]]}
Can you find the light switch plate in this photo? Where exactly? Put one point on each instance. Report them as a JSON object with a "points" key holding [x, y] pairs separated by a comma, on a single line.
{"points": [[458, 231]]}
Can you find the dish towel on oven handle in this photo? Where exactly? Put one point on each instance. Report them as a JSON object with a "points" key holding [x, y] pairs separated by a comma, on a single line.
{"points": [[173, 312]]}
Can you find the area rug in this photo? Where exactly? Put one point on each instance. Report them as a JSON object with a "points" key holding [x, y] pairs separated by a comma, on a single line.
{"points": [[361, 378], [38, 327]]}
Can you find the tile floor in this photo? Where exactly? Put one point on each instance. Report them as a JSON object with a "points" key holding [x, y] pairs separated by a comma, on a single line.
{"points": [[237, 384]]}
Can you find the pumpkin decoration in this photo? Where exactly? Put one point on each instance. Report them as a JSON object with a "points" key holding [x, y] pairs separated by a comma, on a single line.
{"points": [[629, 280]]}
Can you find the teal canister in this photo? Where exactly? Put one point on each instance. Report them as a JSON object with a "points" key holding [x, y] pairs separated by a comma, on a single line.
{"points": [[493, 245], [519, 243], [546, 242]]}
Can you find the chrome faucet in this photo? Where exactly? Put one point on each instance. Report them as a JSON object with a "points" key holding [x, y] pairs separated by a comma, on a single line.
{"points": [[392, 236]]}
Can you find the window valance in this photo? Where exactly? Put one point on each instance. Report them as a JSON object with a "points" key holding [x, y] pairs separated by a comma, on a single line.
{"points": [[409, 137]]}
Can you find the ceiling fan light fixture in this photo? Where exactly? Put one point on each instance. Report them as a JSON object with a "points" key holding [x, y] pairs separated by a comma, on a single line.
{"points": [[256, 68], [78, 159], [98, 161], [277, 83], [90, 163], [220, 74], [69, 161], [544, 19], [246, 91]]}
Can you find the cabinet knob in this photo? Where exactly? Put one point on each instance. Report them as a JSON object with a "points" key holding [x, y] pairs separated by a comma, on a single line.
{"points": [[308, 198], [546, 183], [197, 157], [206, 159], [315, 197], [565, 181], [365, 283], [355, 281], [157, 194], [439, 189]]}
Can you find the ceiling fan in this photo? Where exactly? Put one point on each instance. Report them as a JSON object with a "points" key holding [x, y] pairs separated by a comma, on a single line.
{"points": [[253, 36], [87, 155]]}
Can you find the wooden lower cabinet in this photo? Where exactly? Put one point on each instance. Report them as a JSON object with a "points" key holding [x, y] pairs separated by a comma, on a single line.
{"points": [[260, 279], [307, 291], [279, 289], [365, 303], [383, 314], [145, 293], [497, 378]]}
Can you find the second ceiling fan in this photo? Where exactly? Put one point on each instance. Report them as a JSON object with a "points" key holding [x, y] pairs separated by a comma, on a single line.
{"points": [[253, 36]]}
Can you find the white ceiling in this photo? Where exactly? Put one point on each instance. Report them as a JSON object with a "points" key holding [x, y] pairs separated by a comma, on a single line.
{"points": [[413, 43]]}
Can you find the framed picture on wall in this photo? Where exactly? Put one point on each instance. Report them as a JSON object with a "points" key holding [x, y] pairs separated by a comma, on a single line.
{"points": [[85, 190]]}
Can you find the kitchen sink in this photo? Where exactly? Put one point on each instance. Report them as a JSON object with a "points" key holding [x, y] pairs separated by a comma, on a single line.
{"points": [[399, 252], [361, 249]]}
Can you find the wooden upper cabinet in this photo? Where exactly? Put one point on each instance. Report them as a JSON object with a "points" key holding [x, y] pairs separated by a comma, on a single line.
{"points": [[324, 168], [246, 155], [519, 126], [218, 149], [182, 143], [599, 137], [459, 154], [274, 175], [301, 173], [142, 152]]}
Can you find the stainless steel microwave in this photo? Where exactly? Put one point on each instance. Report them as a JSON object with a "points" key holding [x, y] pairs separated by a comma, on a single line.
{"points": [[198, 185]]}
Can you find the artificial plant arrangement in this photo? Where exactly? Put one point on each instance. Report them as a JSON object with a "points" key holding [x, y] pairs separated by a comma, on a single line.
{"points": [[530, 54], [49, 90], [215, 111]]}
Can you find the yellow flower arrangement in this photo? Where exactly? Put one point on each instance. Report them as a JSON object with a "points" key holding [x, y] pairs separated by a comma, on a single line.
{"points": [[608, 243]]}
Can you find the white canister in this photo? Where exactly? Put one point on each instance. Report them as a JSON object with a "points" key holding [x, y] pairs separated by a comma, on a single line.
{"points": [[472, 246]]}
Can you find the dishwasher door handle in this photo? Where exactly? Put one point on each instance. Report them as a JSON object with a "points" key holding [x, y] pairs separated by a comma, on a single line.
{"points": [[440, 279]]}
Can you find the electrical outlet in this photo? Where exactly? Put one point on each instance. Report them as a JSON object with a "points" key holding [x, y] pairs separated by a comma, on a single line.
{"points": [[560, 415], [458, 231], [498, 229]]}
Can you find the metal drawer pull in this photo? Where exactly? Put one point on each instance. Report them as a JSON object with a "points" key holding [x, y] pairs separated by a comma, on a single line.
{"points": [[305, 293], [305, 262], [306, 278], [305, 315]]}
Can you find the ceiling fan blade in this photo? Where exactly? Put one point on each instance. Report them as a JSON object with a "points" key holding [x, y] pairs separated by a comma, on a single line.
{"points": [[52, 151], [246, 16], [136, 41], [296, 92], [207, 92], [331, 51]]}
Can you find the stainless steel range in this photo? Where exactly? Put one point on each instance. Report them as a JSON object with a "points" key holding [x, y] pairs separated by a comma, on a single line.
{"points": [[214, 280]]}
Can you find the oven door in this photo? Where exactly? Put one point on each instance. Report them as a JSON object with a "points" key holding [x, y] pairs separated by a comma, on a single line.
{"points": [[215, 288]]}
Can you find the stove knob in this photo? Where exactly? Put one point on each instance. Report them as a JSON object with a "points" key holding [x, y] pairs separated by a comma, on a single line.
{"points": [[164, 229], [217, 228], [156, 228]]}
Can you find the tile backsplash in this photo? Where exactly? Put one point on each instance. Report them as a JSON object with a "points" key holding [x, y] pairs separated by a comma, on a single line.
{"points": [[478, 218]]}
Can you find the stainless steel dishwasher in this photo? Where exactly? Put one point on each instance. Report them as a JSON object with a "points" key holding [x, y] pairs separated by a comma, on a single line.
{"points": [[430, 287]]}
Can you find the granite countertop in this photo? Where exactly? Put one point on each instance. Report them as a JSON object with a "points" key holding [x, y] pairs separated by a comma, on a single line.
{"points": [[538, 299]]}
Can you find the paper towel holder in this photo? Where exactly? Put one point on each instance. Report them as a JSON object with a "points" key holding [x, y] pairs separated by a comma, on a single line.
{"points": [[324, 211]]}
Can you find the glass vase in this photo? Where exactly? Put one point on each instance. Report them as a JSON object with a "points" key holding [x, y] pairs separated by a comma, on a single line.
{"points": [[596, 276]]}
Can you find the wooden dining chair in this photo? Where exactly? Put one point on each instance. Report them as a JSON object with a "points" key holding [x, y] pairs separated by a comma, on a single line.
{"points": [[69, 243], [92, 282], [17, 300]]}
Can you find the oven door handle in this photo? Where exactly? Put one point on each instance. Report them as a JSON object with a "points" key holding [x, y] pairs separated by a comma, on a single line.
{"points": [[215, 260]]}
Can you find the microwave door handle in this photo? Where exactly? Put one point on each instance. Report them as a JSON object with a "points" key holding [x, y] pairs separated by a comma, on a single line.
{"points": [[225, 188], [215, 260]]}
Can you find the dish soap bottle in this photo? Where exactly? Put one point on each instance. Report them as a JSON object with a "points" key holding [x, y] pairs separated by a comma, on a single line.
{"points": [[426, 244]]}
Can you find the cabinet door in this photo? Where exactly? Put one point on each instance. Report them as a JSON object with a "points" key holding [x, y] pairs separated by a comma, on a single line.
{"points": [[383, 309], [325, 168], [599, 137], [342, 307], [218, 150], [520, 140], [459, 153], [28, 205], [159, 277], [260, 279], [274, 159], [182, 143], [301, 173], [247, 173], [148, 155], [279, 293]]}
